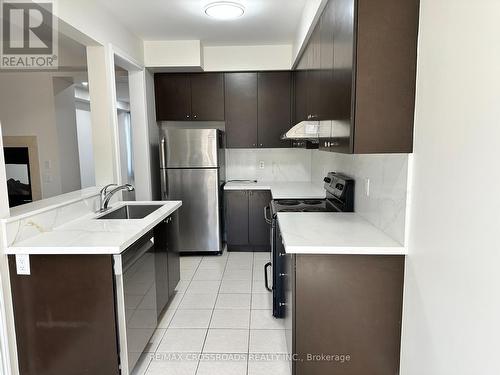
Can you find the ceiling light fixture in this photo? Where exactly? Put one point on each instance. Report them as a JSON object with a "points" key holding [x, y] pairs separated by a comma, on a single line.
{"points": [[224, 10]]}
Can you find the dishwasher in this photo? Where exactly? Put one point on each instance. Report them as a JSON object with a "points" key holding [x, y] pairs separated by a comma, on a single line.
{"points": [[136, 306]]}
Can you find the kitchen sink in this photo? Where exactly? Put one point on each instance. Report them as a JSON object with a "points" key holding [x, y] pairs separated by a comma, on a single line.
{"points": [[131, 211]]}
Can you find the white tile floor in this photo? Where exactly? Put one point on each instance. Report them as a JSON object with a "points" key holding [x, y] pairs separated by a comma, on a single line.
{"points": [[219, 323]]}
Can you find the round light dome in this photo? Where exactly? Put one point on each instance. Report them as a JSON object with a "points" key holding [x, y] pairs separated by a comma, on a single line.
{"points": [[224, 10]]}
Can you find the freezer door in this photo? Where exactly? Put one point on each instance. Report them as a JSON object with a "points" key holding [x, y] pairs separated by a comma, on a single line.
{"points": [[199, 216], [189, 148]]}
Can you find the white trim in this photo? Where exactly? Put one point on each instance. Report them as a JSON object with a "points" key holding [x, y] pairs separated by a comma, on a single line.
{"points": [[4, 341], [139, 121]]}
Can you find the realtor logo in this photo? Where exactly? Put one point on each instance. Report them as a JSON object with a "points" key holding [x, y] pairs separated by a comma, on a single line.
{"points": [[29, 35]]}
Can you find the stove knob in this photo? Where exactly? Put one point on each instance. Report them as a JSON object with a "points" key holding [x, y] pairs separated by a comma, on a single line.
{"points": [[327, 180]]}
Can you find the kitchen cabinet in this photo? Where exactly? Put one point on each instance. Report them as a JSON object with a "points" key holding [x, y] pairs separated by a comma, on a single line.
{"points": [[189, 97], [258, 109], [349, 305], [71, 311], [172, 97], [274, 108], [246, 228], [207, 96], [241, 110], [365, 88], [64, 314], [167, 262], [300, 88]]}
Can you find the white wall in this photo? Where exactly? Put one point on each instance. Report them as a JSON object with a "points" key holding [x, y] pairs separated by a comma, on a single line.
{"points": [[85, 149], [27, 108], [452, 294], [65, 116], [283, 164], [385, 206], [233, 58], [91, 18], [310, 15], [173, 53]]}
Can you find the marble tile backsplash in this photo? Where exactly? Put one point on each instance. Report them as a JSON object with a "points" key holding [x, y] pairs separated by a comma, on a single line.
{"points": [[385, 207], [27, 227], [268, 164]]}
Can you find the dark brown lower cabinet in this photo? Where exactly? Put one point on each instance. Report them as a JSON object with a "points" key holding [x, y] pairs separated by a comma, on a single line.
{"points": [[246, 228], [344, 313], [167, 263], [66, 311], [65, 315]]}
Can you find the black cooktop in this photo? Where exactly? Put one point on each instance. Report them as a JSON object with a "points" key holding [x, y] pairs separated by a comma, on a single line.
{"points": [[339, 191], [301, 205]]}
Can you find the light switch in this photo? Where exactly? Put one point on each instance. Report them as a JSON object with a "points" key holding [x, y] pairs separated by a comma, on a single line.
{"points": [[262, 165]]}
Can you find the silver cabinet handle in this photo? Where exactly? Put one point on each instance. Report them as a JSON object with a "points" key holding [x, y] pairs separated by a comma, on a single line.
{"points": [[282, 274], [282, 304]]}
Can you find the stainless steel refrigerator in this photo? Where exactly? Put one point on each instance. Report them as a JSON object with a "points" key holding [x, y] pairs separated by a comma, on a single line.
{"points": [[192, 170]]}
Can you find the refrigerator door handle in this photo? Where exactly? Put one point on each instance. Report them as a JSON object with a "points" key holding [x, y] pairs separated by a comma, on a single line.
{"points": [[164, 184], [163, 153]]}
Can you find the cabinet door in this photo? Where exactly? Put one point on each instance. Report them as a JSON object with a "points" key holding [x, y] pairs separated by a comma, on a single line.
{"points": [[300, 96], [326, 62], [207, 97], [161, 266], [314, 75], [236, 217], [274, 102], [343, 52], [64, 314], [259, 230], [241, 110], [350, 304], [173, 97], [174, 273]]}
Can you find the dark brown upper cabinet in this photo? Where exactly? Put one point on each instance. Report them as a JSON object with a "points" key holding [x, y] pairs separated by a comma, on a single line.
{"points": [[207, 96], [274, 108], [241, 110], [189, 97], [173, 97], [258, 109], [367, 69]]}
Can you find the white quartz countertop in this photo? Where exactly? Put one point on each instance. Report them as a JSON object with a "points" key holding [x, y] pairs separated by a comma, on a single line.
{"points": [[87, 235], [334, 233], [282, 190]]}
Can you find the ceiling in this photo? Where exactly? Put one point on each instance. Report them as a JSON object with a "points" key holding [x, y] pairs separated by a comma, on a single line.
{"points": [[264, 21]]}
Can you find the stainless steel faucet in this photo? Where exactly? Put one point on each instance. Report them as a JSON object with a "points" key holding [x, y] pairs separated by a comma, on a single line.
{"points": [[106, 196]]}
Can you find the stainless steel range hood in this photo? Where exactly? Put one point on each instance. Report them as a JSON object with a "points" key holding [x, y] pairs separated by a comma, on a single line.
{"points": [[309, 130]]}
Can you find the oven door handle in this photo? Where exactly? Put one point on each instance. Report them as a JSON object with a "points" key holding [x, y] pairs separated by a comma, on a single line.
{"points": [[268, 220], [266, 266]]}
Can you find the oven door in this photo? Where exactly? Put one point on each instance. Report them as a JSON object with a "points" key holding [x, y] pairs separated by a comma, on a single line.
{"points": [[278, 274]]}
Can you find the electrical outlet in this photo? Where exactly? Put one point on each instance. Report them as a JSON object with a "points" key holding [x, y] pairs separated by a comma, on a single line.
{"points": [[23, 264], [262, 165], [367, 187]]}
